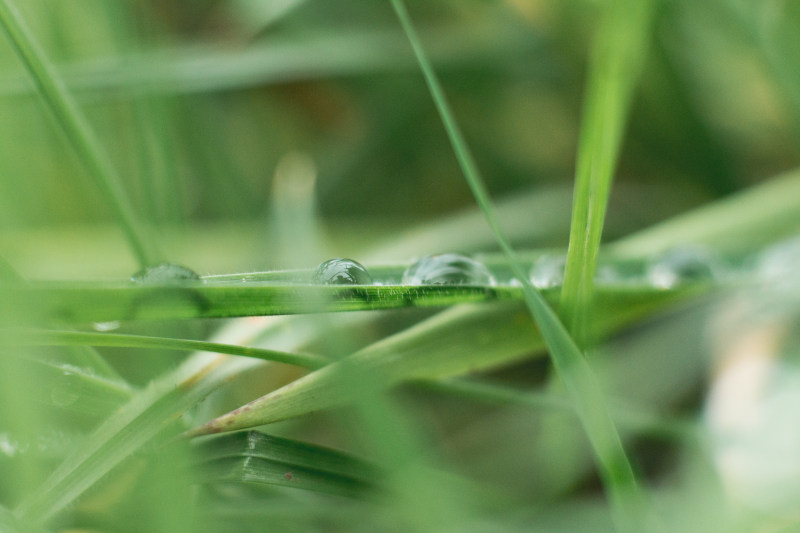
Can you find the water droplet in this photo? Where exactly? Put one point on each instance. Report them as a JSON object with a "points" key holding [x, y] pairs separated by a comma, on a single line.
{"points": [[106, 326], [447, 269], [63, 396], [8, 446], [685, 264], [779, 261], [548, 271], [342, 271], [608, 274], [164, 273]]}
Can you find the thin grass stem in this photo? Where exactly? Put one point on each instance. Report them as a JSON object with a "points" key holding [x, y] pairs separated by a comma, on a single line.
{"points": [[78, 131], [567, 358], [617, 57]]}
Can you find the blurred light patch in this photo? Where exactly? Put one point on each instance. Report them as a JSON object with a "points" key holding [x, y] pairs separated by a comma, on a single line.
{"points": [[753, 406]]}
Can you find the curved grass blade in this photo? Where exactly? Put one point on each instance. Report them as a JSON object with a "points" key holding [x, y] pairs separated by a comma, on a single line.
{"points": [[77, 130], [457, 341], [634, 420], [78, 338], [148, 414], [567, 358], [253, 457], [617, 57]]}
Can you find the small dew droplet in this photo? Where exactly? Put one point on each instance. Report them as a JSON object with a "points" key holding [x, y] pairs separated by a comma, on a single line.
{"points": [[106, 326], [447, 269], [63, 396], [685, 264], [164, 273], [342, 271], [548, 271]]}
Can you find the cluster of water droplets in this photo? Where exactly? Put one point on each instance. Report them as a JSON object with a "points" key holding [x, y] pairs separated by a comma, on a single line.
{"points": [[680, 265], [686, 264]]}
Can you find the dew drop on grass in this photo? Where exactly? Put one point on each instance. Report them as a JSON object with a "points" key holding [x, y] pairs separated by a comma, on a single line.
{"points": [[63, 396], [447, 269], [685, 264], [548, 271], [165, 273], [106, 326], [342, 271], [779, 261]]}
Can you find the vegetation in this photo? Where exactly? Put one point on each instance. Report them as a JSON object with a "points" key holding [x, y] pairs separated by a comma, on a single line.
{"points": [[571, 302]]}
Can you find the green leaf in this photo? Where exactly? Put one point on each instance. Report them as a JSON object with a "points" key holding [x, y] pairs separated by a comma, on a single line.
{"points": [[149, 413], [253, 457]]}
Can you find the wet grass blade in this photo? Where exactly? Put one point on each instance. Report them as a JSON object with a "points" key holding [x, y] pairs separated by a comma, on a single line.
{"points": [[100, 302], [617, 57], [567, 358], [82, 338], [77, 130]]}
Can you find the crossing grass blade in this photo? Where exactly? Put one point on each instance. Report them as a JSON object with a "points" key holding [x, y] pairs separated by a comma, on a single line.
{"points": [[567, 358], [617, 57], [455, 342], [78, 131]]}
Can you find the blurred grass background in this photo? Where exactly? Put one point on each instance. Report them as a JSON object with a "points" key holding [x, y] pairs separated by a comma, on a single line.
{"points": [[206, 107], [197, 105]]}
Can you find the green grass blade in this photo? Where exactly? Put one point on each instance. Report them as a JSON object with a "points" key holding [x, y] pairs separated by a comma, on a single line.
{"points": [[737, 223], [617, 57], [101, 302], [460, 340], [77, 130], [634, 420], [567, 358], [198, 69], [148, 414], [253, 457], [81, 338]]}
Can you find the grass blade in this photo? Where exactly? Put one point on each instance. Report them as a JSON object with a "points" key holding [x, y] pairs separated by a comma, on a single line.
{"points": [[617, 57], [253, 457], [77, 130], [82, 338], [148, 414], [101, 302], [567, 358], [460, 340]]}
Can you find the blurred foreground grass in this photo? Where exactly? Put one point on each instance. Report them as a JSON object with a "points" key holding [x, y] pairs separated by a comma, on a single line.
{"points": [[260, 135]]}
